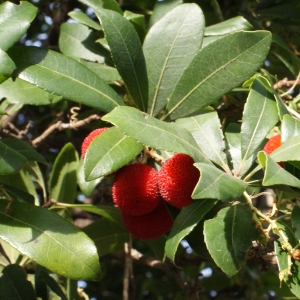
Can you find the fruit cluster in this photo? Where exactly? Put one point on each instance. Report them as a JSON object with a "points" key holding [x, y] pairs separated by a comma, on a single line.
{"points": [[140, 191]]}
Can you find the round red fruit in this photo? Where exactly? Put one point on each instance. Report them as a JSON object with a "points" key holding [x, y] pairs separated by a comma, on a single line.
{"points": [[135, 189], [177, 179], [151, 225], [272, 144]]}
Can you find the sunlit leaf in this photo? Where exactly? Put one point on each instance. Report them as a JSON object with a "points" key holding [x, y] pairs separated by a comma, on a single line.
{"points": [[84, 19]]}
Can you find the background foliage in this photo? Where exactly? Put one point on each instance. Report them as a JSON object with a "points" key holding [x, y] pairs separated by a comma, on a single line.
{"points": [[212, 79]]}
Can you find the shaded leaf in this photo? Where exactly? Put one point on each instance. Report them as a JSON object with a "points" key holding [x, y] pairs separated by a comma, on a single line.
{"points": [[155, 133], [77, 40], [108, 4], [216, 69], [127, 54], [290, 127], [275, 174], [138, 21], [14, 284], [228, 237], [184, 223], [157, 246], [63, 184], [259, 117], [15, 193], [215, 184], [206, 130], [108, 236], [14, 22], [109, 152], [35, 231], [20, 91], [63, 76], [84, 19], [231, 25], [7, 65], [169, 47], [296, 221]]}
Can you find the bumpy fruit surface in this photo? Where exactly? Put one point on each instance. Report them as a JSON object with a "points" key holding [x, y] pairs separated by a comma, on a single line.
{"points": [[177, 179], [151, 225], [135, 189], [272, 144], [89, 138]]}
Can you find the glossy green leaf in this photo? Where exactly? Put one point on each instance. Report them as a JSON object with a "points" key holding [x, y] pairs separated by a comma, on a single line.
{"points": [[161, 8], [86, 187], [206, 130], [231, 25], [7, 66], [107, 235], [233, 145], [296, 221], [24, 149], [11, 161], [169, 47], [63, 183], [215, 184], [77, 40], [84, 19], [275, 174], [50, 240], [290, 127], [282, 258], [20, 91], [184, 223], [106, 73], [15, 285], [155, 133], [14, 191], [228, 237], [259, 117], [216, 69], [108, 4], [109, 152], [127, 54], [63, 76], [14, 22]]}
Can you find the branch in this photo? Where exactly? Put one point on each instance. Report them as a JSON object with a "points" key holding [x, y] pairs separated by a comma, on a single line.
{"points": [[285, 82]]}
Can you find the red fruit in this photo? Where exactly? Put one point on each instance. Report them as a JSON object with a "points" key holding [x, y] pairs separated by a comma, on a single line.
{"points": [[272, 144], [177, 179], [89, 138], [135, 189], [151, 225]]}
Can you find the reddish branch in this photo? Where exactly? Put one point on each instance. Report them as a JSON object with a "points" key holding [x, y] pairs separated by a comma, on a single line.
{"points": [[285, 83]]}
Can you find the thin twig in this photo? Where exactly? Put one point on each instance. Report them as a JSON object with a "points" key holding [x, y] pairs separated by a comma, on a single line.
{"points": [[297, 81]]}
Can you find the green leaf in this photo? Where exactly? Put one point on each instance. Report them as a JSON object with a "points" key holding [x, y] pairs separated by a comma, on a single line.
{"points": [[109, 152], [7, 66], [50, 240], [228, 26], [86, 187], [138, 21], [24, 149], [77, 40], [296, 221], [259, 117], [206, 130], [16, 193], [14, 284], [108, 236], [11, 161], [233, 145], [108, 4], [215, 184], [275, 174], [127, 54], [20, 91], [228, 237], [63, 183], [84, 19], [216, 69], [157, 246], [106, 73], [184, 223], [14, 22], [169, 47], [290, 127], [282, 258], [161, 8], [155, 133], [63, 76]]}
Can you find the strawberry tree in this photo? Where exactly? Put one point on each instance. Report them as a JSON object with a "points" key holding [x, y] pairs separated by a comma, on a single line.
{"points": [[158, 95]]}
